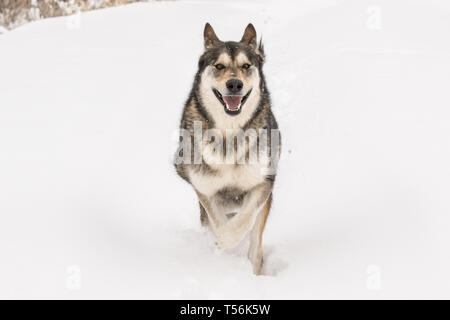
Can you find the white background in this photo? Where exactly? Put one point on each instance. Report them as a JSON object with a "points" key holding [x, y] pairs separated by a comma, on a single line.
{"points": [[91, 207]]}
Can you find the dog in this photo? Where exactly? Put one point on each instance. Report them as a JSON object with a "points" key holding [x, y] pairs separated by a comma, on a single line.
{"points": [[229, 105]]}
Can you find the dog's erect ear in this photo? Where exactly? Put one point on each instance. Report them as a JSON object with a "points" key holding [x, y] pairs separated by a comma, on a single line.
{"points": [[249, 37], [260, 52], [210, 37]]}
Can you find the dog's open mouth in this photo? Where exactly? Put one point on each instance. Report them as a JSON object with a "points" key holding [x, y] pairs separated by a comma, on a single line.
{"points": [[232, 103]]}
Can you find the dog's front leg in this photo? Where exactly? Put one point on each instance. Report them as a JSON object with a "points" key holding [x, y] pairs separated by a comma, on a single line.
{"points": [[215, 216], [235, 229]]}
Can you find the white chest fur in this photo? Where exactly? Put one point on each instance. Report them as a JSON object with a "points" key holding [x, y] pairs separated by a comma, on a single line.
{"points": [[242, 176]]}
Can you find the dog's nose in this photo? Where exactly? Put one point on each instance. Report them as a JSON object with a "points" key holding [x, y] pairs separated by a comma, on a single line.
{"points": [[235, 85]]}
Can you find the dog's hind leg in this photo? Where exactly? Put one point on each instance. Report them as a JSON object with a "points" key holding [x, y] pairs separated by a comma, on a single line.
{"points": [[255, 252]]}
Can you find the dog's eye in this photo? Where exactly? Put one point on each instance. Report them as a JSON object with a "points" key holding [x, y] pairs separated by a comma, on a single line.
{"points": [[219, 66], [245, 66]]}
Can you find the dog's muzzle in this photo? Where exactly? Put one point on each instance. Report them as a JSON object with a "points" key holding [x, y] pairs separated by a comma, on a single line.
{"points": [[232, 103]]}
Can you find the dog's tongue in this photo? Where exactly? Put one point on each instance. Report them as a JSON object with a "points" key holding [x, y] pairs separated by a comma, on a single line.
{"points": [[233, 102]]}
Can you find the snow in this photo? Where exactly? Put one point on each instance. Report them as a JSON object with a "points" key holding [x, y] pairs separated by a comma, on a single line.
{"points": [[91, 207]]}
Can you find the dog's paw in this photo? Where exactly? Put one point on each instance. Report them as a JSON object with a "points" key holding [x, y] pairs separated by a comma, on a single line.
{"points": [[223, 243], [226, 240]]}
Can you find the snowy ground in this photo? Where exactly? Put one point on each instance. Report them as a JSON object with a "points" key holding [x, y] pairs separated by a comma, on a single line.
{"points": [[90, 206]]}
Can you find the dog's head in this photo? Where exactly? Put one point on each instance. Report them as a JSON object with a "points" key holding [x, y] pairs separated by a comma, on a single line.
{"points": [[230, 74]]}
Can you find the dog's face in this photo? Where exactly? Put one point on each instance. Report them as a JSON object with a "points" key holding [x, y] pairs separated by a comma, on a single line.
{"points": [[230, 75]]}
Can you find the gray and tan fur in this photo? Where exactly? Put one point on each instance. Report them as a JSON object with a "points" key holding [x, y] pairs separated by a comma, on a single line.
{"points": [[235, 199]]}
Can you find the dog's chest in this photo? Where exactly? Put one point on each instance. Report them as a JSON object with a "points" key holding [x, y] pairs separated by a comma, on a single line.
{"points": [[221, 174], [241, 176]]}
